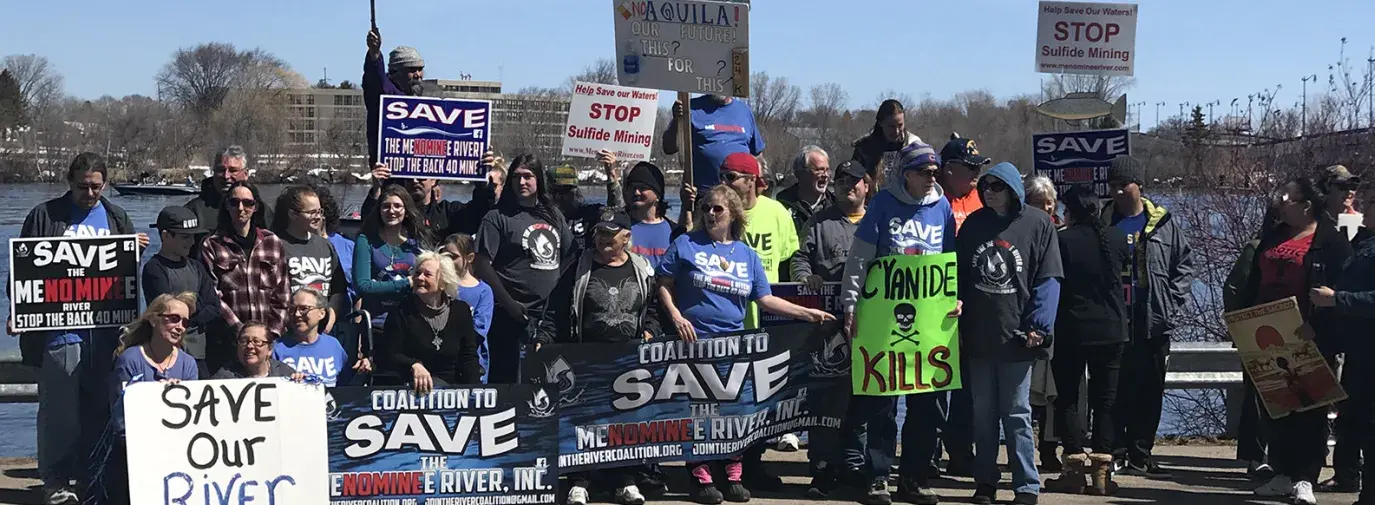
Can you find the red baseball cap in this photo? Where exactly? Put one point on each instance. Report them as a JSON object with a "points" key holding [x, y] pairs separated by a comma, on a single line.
{"points": [[744, 163]]}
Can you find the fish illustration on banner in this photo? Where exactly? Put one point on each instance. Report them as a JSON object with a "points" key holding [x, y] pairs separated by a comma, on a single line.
{"points": [[434, 138], [622, 404], [904, 343], [483, 442], [1289, 372]]}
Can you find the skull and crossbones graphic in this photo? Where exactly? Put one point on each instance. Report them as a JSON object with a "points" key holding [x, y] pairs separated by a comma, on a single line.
{"points": [[905, 315]]}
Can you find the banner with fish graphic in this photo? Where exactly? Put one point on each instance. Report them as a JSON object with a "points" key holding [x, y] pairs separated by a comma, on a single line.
{"points": [[639, 402], [453, 445], [434, 138]]}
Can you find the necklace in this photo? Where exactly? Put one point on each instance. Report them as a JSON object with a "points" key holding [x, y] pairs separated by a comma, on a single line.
{"points": [[720, 259], [437, 320]]}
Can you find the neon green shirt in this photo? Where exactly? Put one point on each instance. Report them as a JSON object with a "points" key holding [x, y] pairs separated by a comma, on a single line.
{"points": [[771, 234]]}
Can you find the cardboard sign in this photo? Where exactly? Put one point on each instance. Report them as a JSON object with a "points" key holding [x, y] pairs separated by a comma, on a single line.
{"points": [[1289, 372], [615, 118], [694, 46], [1086, 38], [74, 283], [1081, 157], [904, 343], [227, 441], [1350, 224], [434, 138]]}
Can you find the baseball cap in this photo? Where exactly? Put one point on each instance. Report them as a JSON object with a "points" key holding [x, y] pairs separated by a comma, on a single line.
{"points": [[1338, 174], [614, 221], [963, 151], [851, 169], [744, 163], [175, 218]]}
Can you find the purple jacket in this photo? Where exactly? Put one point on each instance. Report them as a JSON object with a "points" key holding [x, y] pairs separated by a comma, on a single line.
{"points": [[375, 84]]}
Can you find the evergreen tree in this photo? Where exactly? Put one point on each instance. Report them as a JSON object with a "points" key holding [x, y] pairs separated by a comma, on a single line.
{"points": [[12, 113]]}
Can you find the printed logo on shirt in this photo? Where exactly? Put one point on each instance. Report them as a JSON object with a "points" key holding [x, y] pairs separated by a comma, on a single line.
{"points": [[542, 242], [325, 368], [85, 230], [995, 263], [763, 244], [648, 252], [724, 128], [720, 274], [914, 237], [314, 273]]}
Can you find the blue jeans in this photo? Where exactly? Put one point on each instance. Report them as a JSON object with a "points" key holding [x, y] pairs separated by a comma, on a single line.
{"points": [[1001, 392], [879, 413]]}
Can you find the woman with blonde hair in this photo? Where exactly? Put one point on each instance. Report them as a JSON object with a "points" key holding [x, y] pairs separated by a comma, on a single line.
{"points": [[705, 279], [430, 336]]}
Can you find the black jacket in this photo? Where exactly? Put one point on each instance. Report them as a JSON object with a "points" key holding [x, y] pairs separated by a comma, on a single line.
{"points": [[447, 217], [561, 321], [1331, 250], [1093, 308], [801, 211], [870, 148], [1356, 299], [408, 339], [51, 219]]}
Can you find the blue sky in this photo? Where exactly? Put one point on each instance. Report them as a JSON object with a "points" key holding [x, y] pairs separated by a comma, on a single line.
{"points": [[1189, 50]]}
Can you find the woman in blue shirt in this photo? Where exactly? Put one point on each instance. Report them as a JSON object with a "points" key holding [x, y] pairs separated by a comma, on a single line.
{"points": [[392, 235], [706, 278], [459, 248]]}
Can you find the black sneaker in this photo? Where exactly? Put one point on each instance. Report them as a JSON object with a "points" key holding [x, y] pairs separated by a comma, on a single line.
{"points": [[984, 495], [1025, 499], [651, 482], [853, 478], [757, 477], [822, 485], [736, 492], [707, 494], [1259, 472], [1148, 468], [878, 493], [917, 492], [1335, 485]]}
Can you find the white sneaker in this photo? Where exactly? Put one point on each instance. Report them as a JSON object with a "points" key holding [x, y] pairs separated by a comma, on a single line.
{"points": [[629, 495], [1303, 493], [1279, 485], [789, 443], [577, 496]]}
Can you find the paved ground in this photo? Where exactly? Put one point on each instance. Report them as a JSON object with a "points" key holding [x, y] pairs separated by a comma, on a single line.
{"points": [[1204, 475]]}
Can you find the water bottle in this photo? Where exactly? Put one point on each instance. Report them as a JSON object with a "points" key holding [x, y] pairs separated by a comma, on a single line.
{"points": [[630, 64]]}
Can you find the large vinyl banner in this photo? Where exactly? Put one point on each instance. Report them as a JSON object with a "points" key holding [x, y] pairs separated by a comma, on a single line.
{"points": [[454, 445], [670, 400]]}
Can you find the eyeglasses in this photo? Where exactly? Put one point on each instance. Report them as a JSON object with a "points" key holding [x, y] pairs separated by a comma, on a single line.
{"points": [[172, 318], [994, 186], [736, 176], [246, 203], [310, 213], [246, 342], [303, 308]]}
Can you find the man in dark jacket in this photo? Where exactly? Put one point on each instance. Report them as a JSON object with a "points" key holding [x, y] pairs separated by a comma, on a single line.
{"points": [[583, 216], [402, 74], [812, 192], [228, 165], [74, 365], [1157, 284]]}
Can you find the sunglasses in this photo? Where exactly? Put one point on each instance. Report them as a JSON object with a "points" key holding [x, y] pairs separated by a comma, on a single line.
{"points": [[736, 176], [246, 203], [716, 209], [994, 186], [172, 318], [929, 173]]}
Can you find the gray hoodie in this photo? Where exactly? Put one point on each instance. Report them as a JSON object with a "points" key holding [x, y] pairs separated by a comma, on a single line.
{"points": [[897, 223]]}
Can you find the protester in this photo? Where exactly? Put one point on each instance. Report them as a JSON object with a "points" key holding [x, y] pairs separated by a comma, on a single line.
{"points": [[343, 246], [1306, 250], [1156, 286], [522, 247], [430, 337], [609, 295], [960, 167], [1041, 194], [473, 291], [567, 196], [253, 353], [311, 259], [248, 263], [889, 135], [403, 75], [812, 192], [770, 231], [644, 196], [721, 126], [703, 296], [1352, 297], [172, 271], [149, 350], [228, 166], [1253, 426], [72, 402], [384, 252], [1090, 331], [307, 350], [911, 201], [825, 246], [442, 217], [1340, 187], [496, 177], [1009, 285]]}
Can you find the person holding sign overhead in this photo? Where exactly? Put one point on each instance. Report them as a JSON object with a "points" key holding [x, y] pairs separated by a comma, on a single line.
{"points": [[909, 217], [721, 126], [1009, 275], [402, 74], [705, 280]]}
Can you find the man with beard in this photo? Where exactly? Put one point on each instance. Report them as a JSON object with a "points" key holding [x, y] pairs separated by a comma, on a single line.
{"points": [[443, 217], [583, 216], [403, 75], [228, 166], [812, 167], [721, 126]]}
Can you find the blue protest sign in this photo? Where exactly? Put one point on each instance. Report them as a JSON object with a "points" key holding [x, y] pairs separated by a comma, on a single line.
{"points": [[624, 404], [434, 138], [389, 445], [1079, 157]]}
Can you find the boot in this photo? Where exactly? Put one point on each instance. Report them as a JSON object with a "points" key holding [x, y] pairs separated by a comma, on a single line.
{"points": [[1101, 465], [1072, 479]]}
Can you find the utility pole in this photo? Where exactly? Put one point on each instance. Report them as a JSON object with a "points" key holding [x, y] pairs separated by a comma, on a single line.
{"points": [[1157, 113], [1303, 105], [1210, 110], [1370, 89]]}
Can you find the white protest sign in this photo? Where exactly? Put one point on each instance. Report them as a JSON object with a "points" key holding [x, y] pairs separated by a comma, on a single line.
{"points": [[1086, 38], [615, 118], [221, 442], [692, 46]]}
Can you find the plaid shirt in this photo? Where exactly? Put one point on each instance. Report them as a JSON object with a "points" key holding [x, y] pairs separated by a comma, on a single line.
{"points": [[256, 288]]}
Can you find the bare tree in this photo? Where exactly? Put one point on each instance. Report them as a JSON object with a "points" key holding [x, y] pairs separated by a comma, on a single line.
{"points": [[773, 100], [1107, 88], [201, 78], [603, 71], [39, 83]]}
